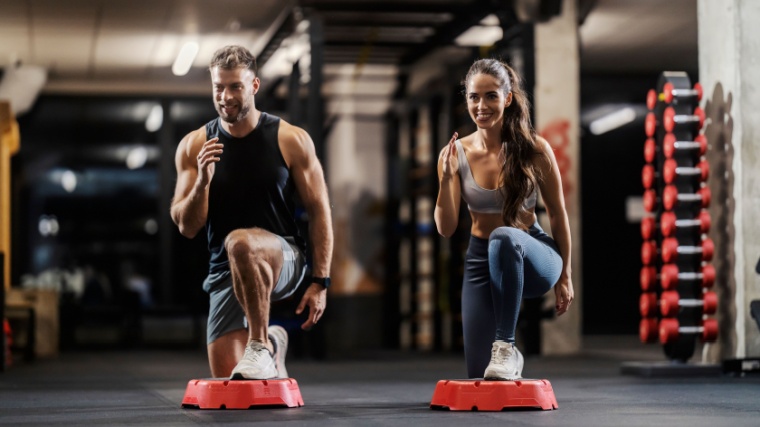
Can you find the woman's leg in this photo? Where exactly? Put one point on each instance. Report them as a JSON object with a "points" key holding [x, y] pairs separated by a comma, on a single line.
{"points": [[478, 321], [522, 265]]}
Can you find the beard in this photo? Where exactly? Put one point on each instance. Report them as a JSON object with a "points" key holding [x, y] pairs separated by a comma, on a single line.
{"points": [[244, 110]]}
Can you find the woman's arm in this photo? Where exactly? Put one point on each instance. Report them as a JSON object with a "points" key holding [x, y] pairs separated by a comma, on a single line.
{"points": [[447, 205], [550, 185]]}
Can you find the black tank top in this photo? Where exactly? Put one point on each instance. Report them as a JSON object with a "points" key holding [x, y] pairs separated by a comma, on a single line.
{"points": [[251, 187]]}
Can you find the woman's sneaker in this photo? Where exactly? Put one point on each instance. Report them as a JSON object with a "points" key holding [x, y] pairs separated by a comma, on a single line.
{"points": [[506, 362], [257, 364], [279, 338]]}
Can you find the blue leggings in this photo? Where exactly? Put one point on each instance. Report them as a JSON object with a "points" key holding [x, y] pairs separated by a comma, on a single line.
{"points": [[499, 272]]}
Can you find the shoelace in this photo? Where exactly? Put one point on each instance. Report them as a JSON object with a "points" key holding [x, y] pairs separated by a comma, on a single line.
{"points": [[254, 350], [501, 353]]}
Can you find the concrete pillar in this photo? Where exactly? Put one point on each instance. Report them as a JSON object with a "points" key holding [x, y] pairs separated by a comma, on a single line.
{"points": [[729, 71], [557, 112]]}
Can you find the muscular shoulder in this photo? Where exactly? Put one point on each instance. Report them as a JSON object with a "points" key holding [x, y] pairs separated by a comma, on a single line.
{"points": [[190, 145], [295, 143]]}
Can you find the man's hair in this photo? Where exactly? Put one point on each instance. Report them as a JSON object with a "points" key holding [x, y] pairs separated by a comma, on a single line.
{"points": [[233, 57]]}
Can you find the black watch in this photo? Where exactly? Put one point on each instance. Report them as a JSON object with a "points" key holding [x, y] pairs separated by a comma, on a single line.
{"points": [[324, 281]]}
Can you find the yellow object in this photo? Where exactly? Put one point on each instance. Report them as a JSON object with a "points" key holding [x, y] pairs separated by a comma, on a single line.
{"points": [[10, 141]]}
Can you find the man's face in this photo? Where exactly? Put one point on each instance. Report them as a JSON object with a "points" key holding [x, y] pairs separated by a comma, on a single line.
{"points": [[233, 92]]}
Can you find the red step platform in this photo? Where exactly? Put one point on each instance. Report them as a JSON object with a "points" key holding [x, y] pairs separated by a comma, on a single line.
{"points": [[241, 394], [480, 395]]}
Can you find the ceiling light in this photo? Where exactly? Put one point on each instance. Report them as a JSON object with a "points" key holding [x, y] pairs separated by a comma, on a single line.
{"points": [[155, 118], [185, 59], [137, 158], [69, 181], [612, 121]]}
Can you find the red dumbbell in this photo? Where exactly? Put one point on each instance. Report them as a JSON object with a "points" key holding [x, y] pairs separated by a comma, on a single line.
{"points": [[670, 145], [648, 277], [671, 197], [671, 249], [650, 124], [670, 276], [651, 99], [671, 170], [648, 252], [670, 330], [671, 302], [647, 227], [669, 223], [648, 330], [650, 150], [648, 176], [669, 93], [670, 119], [648, 304]]}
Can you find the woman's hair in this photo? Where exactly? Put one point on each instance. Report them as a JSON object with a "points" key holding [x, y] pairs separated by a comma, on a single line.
{"points": [[233, 57], [519, 175]]}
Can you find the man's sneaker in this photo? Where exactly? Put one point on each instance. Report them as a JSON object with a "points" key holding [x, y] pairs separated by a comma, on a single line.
{"points": [[257, 364], [506, 362], [279, 338]]}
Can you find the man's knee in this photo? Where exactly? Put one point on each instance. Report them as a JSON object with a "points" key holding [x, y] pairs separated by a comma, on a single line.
{"points": [[244, 244]]}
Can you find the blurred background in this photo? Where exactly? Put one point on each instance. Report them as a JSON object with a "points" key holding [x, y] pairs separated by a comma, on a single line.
{"points": [[103, 92]]}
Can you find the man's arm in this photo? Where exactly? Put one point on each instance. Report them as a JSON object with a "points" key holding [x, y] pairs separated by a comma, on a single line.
{"points": [[189, 208], [310, 182]]}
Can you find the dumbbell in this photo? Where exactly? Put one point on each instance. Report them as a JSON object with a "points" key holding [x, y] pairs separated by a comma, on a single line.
{"points": [[647, 227], [650, 124], [669, 223], [671, 197], [671, 249], [648, 252], [671, 170], [648, 176], [648, 277], [670, 119], [648, 304], [670, 276], [671, 302], [671, 145], [670, 329], [648, 329], [669, 94], [650, 150]]}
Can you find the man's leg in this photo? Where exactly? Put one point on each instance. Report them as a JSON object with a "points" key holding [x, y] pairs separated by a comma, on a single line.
{"points": [[256, 258], [225, 352]]}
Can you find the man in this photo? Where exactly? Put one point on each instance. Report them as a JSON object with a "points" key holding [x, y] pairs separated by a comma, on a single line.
{"points": [[236, 177]]}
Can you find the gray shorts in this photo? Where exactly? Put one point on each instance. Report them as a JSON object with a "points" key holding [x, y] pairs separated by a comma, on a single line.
{"points": [[225, 313]]}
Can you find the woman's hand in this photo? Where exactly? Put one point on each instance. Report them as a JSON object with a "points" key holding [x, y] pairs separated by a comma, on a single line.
{"points": [[564, 292], [451, 158]]}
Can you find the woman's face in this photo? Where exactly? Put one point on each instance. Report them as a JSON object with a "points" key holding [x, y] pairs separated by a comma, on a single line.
{"points": [[486, 101]]}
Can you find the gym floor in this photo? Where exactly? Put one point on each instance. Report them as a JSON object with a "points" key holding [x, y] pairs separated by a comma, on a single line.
{"points": [[146, 387]]}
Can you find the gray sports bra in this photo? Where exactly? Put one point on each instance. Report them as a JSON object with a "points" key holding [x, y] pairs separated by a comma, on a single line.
{"points": [[479, 199]]}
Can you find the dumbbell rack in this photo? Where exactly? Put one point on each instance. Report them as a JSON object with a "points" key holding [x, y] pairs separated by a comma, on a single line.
{"points": [[674, 153]]}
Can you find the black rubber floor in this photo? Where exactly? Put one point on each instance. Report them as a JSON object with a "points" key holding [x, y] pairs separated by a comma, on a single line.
{"points": [[388, 389]]}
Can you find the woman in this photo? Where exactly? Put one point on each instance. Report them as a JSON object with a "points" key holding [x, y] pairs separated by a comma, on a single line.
{"points": [[498, 170]]}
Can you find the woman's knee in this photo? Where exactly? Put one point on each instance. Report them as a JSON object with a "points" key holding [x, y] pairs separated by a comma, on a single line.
{"points": [[505, 240]]}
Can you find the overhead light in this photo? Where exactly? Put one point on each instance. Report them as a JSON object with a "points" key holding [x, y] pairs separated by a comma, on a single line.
{"points": [[612, 121], [21, 85], [487, 33], [155, 118], [69, 181], [137, 158], [185, 59]]}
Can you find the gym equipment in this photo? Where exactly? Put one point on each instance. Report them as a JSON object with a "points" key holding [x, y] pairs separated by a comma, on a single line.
{"points": [[647, 278], [481, 395], [672, 198], [648, 252], [670, 276], [669, 223], [648, 304], [671, 302], [671, 145], [671, 249], [670, 93], [670, 330], [650, 150], [215, 393], [648, 330], [671, 120], [671, 170], [648, 228]]}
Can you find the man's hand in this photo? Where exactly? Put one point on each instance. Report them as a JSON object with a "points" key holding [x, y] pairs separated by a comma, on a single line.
{"points": [[209, 154], [316, 298]]}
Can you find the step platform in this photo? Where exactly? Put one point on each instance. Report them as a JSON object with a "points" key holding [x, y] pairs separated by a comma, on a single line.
{"points": [[219, 393], [481, 395]]}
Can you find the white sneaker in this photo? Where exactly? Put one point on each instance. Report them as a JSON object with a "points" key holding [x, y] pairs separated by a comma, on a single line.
{"points": [[279, 337], [257, 364], [506, 362]]}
